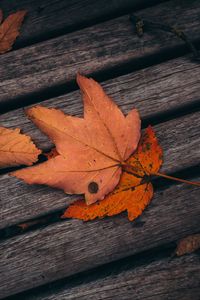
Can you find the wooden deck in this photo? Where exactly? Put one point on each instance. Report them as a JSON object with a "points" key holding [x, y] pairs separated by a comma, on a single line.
{"points": [[110, 258]]}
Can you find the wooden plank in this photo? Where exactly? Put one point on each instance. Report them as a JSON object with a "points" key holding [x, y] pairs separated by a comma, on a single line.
{"points": [[98, 48], [48, 18], [19, 201], [162, 279], [154, 90], [69, 247]]}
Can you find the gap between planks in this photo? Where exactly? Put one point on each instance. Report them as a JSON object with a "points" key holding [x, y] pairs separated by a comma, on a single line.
{"points": [[31, 70], [159, 279], [127, 263]]}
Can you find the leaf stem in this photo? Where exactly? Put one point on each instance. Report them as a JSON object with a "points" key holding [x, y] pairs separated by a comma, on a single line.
{"points": [[177, 179], [134, 170]]}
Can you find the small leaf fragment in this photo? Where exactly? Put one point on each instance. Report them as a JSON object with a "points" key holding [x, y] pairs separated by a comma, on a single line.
{"points": [[16, 148], [188, 244], [36, 222], [9, 30]]}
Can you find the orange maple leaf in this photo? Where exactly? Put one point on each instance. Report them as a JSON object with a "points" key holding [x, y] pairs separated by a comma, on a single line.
{"points": [[16, 148], [9, 29], [91, 149], [134, 190]]}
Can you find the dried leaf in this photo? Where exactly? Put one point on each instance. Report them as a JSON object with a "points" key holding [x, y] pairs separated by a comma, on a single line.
{"points": [[133, 192], [16, 148], [188, 244], [9, 30], [91, 149]]}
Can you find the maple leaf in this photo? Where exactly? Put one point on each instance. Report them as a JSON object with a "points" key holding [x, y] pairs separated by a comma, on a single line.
{"points": [[134, 190], [16, 148], [9, 29], [91, 149]]}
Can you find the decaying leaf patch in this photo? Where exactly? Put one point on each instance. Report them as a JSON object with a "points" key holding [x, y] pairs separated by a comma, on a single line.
{"points": [[188, 244]]}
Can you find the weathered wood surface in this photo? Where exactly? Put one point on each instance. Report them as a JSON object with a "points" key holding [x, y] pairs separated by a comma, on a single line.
{"points": [[51, 17], [154, 90], [179, 139], [69, 247], [178, 279], [54, 62]]}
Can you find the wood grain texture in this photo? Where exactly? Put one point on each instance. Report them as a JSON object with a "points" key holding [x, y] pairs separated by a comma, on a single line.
{"points": [[159, 280], [71, 246], [19, 201], [49, 17], [154, 90], [98, 48], [68, 247]]}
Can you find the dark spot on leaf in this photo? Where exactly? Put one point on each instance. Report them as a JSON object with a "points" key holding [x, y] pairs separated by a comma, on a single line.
{"points": [[93, 187]]}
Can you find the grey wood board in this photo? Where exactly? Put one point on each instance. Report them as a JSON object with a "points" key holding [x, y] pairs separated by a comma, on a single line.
{"points": [[19, 201], [159, 280], [49, 17], [65, 248], [154, 90], [98, 48]]}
